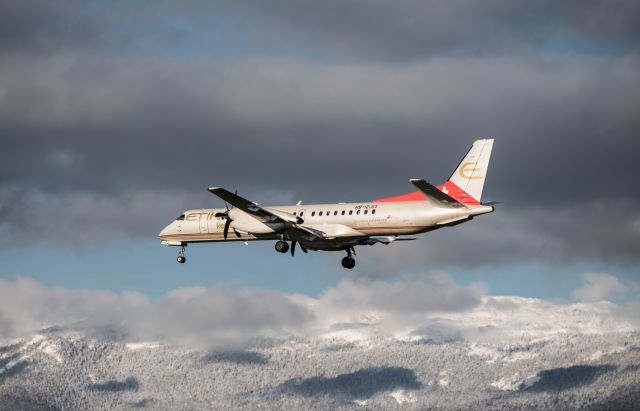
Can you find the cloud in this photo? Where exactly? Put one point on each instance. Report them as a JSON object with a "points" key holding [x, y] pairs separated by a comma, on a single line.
{"points": [[85, 217], [403, 30], [552, 234], [226, 321], [600, 286], [406, 295], [201, 317], [220, 316], [106, 132]]}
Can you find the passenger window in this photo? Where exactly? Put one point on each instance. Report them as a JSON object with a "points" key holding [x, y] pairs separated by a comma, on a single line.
{"points": [[301, 213], [366, 211], [313, 213], [320, 213], [294, 213], [358, 212], [342, 212], [181, 217], [335, 213], [350, 212], [373, 211]]}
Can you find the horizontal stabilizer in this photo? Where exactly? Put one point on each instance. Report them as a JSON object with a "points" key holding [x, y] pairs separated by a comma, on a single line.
{"points": [[435, 195]]}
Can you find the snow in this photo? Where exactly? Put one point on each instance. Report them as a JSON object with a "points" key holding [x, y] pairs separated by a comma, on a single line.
{"points": [[514, 383], [36, 339], [303, 373], [519, 356], [402, 396], [491, 353], [52, 351], [11, 364], [443, 381], [529, 381], [142, 345], [599, 354]]}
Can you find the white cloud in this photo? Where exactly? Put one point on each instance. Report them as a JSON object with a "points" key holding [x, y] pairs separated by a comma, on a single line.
{"points": [[598, 287], [428, 306], [192, 315]]}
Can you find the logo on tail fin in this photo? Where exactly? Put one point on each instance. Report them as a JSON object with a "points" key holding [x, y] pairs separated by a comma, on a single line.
{"points": [[467, 171]]}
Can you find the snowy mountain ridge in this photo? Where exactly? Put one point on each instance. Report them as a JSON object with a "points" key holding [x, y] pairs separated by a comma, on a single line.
{"points": [[505, 353]]}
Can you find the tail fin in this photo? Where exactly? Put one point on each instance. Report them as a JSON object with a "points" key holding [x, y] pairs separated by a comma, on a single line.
{"points": [[467, 180], [466, 183]]}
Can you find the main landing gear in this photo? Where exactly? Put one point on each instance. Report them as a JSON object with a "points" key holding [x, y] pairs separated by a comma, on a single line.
{"points": [[348, 261], [282, 246], [181, 258]]}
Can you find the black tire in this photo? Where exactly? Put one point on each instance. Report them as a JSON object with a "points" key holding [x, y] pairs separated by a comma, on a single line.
{"points": [[282, 246], [348, 262], [182, 259]]}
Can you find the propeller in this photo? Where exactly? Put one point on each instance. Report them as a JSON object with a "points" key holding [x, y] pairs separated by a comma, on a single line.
{"points": [[228, 221], [226, 226]]}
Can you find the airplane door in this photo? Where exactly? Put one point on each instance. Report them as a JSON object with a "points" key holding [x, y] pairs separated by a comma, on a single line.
{"points": [[203, 223]]}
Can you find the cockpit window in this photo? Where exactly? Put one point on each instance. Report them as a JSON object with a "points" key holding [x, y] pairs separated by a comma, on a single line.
{"points": [[181, 217]]}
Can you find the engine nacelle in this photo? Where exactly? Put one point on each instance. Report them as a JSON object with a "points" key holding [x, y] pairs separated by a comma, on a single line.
{"points": [[244, 222]]}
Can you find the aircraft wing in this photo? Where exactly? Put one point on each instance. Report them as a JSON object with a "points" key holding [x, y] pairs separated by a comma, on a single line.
{"points": [[259, 213], [266, 215], [434, 194]]}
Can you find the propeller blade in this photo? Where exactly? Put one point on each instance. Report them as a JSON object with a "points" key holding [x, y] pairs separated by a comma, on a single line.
{"points": [[237, 233], [226, 227], [293, 248], [303, 249]]}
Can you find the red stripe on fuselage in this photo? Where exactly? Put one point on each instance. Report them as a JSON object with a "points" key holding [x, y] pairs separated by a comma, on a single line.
{"points": [[449, 187]]}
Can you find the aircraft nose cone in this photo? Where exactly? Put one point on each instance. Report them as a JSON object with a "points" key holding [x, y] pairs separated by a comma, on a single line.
{"points": [[164, 231]]}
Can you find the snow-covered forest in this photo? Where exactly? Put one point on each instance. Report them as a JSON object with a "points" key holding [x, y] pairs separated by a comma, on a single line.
{"points": [[569, 358]]}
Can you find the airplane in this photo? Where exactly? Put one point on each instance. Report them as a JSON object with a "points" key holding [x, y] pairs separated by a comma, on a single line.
{"points": [[341, 226]]}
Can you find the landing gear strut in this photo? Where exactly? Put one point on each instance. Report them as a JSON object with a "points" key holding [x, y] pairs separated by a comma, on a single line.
{"points": [[348, 261], [282, 246], [181, 257]]}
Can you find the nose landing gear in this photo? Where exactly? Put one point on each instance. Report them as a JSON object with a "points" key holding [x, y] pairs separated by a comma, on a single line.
{"points": [[181, 258], [348, 262]]}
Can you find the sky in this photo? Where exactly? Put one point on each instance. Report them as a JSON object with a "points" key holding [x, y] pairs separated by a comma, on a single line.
{"points": [[116, 116]]}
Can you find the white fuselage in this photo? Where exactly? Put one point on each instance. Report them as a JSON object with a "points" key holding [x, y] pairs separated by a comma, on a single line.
{"points": [[335, 221]]}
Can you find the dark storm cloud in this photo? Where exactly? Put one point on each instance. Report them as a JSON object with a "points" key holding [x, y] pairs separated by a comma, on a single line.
{"points": [[596, 231], [352, 28], [99, 107], [411, 28]]}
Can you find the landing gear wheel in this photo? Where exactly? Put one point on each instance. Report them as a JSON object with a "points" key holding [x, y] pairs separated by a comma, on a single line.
{"points": [[348, 262], [181, 257], [282, 246]]}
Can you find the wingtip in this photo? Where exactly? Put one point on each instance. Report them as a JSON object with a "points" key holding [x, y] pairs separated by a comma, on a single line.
{"points": [[212, 189]]}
